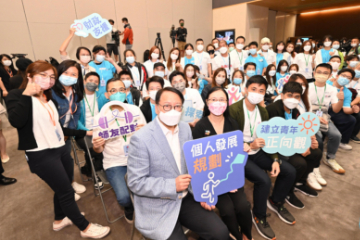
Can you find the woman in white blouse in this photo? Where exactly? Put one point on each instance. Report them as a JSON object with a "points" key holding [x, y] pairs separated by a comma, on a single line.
{"points": [[306, 61], [154, 57]]}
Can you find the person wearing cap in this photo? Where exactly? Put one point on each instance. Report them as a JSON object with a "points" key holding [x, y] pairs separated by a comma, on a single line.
{"points": [[104, 66], [21, 64], [265, 51], [159, 70]]}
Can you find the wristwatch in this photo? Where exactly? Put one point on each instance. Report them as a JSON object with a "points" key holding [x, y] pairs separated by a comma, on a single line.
{"points": [[278, 161]]}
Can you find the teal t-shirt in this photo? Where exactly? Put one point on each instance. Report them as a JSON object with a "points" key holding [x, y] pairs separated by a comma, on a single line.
{"points": [[106, 72], [259, 61], [347, 94]]}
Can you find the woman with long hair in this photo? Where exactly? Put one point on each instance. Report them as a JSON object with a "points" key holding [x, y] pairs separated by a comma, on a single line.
{"points": [[7, 71], [173, 62], [136, 69], [219, 79]]}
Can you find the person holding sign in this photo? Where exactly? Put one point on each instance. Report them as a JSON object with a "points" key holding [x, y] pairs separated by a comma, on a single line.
{"points": [[306, 162], [233, 206], [249, 114], [133, 96], [136, 69], [36, 118], [159, 179], [115, 150], [256, 58], [154, 84], [104, 66]]}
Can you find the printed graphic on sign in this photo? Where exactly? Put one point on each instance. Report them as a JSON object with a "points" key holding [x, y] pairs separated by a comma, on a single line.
{"points": [[189, 114], [288, 137], [216, 165], [93, 24], [234, 93], [281, 82], [107, 131]]}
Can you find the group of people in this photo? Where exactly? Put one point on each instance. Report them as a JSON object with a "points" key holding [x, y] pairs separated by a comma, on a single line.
{"points": [[49, 106]]}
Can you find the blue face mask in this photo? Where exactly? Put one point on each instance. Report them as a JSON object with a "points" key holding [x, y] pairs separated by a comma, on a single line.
{"points": [[343, 81], [130, 60], [252, 51], [237, 81], [67, 80], [100, 58], [119, 96], [159, 73], [357, 73], [250, 73]]}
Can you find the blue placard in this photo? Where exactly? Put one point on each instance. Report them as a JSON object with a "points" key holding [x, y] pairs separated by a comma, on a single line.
{"points": [[288, 137], [189, 114], [93, 24], [216, 165]]}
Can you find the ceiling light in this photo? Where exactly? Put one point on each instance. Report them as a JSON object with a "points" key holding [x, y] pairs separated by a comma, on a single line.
{"points": [[329, 10]]}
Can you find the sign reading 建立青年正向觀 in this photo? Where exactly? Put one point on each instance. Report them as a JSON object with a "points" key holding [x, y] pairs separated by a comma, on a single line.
{"points": [[288, 137], [216, 165], [93, 24]]}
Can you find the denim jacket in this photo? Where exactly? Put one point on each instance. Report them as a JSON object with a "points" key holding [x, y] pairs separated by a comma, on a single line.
{"points": [[63, 108]]}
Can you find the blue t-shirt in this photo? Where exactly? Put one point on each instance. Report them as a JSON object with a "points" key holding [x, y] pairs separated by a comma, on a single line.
{"points": [[325, 55], [129, 99], [106, 72], [347, 94], [153, 111], [288, 115], [279, 57], [259, 61], [278, 76], [189, 61]]}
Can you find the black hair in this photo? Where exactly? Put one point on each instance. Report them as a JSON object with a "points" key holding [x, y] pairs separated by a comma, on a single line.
{"points": [[329, 37], [181, 20], [129, 50], [206, 111], [155, 79], [189, 44], [281, 42], [98, 48], [176, 73], [89, 74], [215, 39], [324, 65], [78, 88], [292, 87], [124, 19], [257, 79], [198, 40], [335, 56], [11, 66], [240, 37], [110, 20], [78, 51], [125, 72], [351, 57], [254, 43], [113, 80], [231, 43], [280, 64], [347, 70], [168, 89], [249, 64]]}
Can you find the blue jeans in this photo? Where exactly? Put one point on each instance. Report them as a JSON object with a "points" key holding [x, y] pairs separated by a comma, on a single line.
{"points": [[334, 140], [116, 177]]}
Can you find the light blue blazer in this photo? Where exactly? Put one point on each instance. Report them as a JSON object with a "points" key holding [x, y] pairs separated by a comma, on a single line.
{"points": [[151, 177]]}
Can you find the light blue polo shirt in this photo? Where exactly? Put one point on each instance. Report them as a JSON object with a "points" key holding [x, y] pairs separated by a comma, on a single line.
{"points": [[106, 72], [259, 61], [347, 94]]}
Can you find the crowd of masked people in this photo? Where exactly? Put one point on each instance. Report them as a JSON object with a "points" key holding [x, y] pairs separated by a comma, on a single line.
{"points": [[235, 86]]}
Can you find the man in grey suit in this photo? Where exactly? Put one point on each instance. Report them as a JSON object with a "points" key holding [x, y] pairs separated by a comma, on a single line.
{"points": [[157, 175]]}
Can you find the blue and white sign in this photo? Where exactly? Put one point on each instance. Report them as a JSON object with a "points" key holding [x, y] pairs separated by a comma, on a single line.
{"points": [[93, 24], [288, 137], [189, 114], [216, 165]]}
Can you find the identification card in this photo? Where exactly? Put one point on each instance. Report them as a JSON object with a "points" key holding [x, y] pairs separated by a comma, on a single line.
{"points": [[319, 113], [258, 72], [137, 83], [200, 67], [241, 68], [102, 83], [306, 69], [92, 121], [228, 72], [126, 150], [58, 134]]}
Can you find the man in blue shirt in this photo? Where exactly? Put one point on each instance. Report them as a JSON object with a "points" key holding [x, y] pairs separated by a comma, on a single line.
{"points": [[154, 84], [254, 57]]}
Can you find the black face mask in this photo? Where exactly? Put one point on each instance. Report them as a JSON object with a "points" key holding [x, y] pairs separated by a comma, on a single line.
{"points": [[211, 52]]}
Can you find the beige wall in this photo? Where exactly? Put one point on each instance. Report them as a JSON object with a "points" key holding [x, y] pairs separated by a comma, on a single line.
{"points": [[285, 26], [257, 17], [49, 22]]}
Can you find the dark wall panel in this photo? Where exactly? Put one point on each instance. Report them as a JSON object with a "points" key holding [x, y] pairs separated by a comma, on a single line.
{"points": [[223, 3]]}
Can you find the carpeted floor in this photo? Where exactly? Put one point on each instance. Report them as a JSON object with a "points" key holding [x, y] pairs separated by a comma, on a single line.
{"points": [[27, 207]]}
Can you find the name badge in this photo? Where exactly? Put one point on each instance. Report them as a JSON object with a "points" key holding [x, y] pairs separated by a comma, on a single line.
{"points": [[306, 69], [137, 83], [92, 121], [228, 72], [58, 134], [200, 67], [241, 68], [258, 72], [126, 150], [102, 83], [319, 113]]}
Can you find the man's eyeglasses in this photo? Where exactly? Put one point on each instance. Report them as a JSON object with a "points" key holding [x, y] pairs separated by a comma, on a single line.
{"points": [[168, 107], [347, 77], [114, 90]]}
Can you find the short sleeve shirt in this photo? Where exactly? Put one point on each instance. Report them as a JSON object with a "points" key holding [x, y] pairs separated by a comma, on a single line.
{"points": [[259, 61], [329, 95]]}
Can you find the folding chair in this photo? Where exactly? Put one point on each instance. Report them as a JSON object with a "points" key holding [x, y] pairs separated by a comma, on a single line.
{"points": [[100, 192], [78, 163]]}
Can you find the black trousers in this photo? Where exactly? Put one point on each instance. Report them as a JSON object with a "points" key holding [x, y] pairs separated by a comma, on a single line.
{"points": [[55, 167], [98, 157], [305, 165], [1, 167], [254, 172], [356, 129], [345, 123], [203, 222], [235, 211]]}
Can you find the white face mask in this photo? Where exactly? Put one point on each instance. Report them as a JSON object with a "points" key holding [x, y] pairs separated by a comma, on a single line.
{"points": [[292, 72], [289, 49], [127, 83], [84, 58], [200, 47], [190, 74], [280, 47], [313, 45], [265, 47], [152, 94], [353, 44], [336, 46], [307, 48], [255, 98], [335, 65], [272, 73], [170, 118], [239, 46], [189, 52], [291, 103], [327, 44], [7, 63], [216, 45], [223, 50], [283, 68], [154, 55], [304, 89], [173, 56], [219, 80]]}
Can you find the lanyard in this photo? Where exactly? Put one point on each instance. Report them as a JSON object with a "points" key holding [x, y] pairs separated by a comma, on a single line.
{"points": [[320, 103], [307, 62], [355, 85], [51, 116], [70, 103], [124, 136], [200, 60], [252, 127], [92, 112], [225, 62], [242, 55]]}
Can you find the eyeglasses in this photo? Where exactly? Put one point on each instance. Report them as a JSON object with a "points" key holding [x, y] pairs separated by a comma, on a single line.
{"points": [[325, 73], [347, 77], [45, 76], [217, 100], [168, 107], [114, 90]]}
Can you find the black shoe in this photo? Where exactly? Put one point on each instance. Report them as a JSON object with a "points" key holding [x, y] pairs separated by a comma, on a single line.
{"points": [[306, 190], [281, 211], [293, 201], [6, 180], [100, 183], [86, 171], [355, 139], [129, 214], [263, 227]]}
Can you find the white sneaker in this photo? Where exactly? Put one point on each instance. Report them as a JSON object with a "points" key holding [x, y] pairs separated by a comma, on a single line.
{"points": [[64, 223], [334, 165], [78, 188], [77, 197], [95, 231], [345, 146], [318, 177], [313, 183]]}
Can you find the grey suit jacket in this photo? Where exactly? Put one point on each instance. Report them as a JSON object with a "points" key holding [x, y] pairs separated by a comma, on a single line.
{"points": [[152, 171]]}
